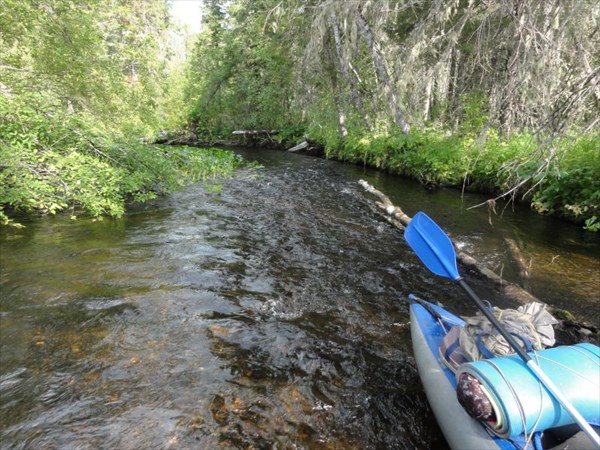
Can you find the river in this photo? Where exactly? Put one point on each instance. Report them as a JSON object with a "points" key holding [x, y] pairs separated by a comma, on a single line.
{"points": [[266, 311]]}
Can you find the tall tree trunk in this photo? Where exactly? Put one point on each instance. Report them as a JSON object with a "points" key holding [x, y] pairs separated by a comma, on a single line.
{"points": [[428, 91], [382, 73], [354, 92], [452, 97], [330, 62]]}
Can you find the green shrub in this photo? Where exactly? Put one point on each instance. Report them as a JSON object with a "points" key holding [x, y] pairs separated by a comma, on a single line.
{"points": [[486, 162], [573, 189]]}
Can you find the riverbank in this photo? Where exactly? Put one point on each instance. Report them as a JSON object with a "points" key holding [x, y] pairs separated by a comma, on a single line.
{"points": [[103, 183], [566, 187], [216, 314]]}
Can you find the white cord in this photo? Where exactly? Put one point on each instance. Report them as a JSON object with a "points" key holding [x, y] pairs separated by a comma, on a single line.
{"points": [[515, 396], [579, 374], [537, 421]]}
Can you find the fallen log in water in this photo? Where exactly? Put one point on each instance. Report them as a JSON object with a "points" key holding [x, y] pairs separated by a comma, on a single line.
{"points": [[515, 252], [308, 147], [401, 220], [255, 132], [257, 138], [573, 329], [299, 147]]}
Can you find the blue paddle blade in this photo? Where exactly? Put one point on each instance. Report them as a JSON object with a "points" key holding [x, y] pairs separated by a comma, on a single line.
{"points": [[432, 246]]}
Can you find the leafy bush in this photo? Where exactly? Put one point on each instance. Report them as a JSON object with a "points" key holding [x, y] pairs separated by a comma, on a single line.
{"points": [[52, 160], [487, 162], [82, 86], [51, 181], [573, 190], [491, 159]]}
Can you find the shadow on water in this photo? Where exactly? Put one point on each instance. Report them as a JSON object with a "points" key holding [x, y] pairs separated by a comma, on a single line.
{"points": [[270, 314]]}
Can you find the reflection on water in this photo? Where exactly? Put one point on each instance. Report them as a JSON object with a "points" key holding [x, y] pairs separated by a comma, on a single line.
{"points": [[268, 315]]}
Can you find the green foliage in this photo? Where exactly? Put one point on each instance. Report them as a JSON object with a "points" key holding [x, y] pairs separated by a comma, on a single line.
{"points": [[592, 224], [488, 162], [48, 163], [490, 158], [474, 113], [48, 181], [290, 135], [49, 166], [82, 87], [573, 189], [240, 72]]}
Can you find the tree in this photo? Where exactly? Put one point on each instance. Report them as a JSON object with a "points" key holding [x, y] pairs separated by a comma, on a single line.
{"points": [[485, 73], [83, 85], [240, 71]]}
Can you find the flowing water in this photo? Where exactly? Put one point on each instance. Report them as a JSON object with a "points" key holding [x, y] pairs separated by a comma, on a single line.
{"points": [[268, 312]]}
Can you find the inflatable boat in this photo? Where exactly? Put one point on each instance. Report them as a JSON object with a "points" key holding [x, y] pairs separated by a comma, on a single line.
{"points": [[520, 398], [525, 415]]}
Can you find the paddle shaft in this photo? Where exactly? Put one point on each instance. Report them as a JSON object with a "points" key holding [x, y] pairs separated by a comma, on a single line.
{"points": [[537, 371]]}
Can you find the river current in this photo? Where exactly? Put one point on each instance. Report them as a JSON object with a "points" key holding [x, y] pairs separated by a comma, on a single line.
{"points": [[263, 311]]}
